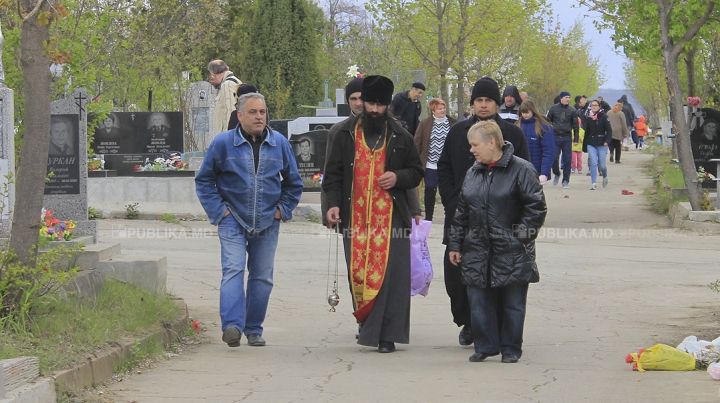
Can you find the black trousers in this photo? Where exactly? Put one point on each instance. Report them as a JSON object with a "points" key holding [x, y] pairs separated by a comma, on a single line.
{"points": [[616, 146], [457, 291]]}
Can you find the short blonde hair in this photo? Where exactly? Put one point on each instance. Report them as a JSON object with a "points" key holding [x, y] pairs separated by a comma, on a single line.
{"points": [[435, 103], [485, 131]]}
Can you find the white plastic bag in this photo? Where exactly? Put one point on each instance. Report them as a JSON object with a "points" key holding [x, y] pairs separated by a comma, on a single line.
{"points": [[714, 370], [421, 271], [703, 351]]}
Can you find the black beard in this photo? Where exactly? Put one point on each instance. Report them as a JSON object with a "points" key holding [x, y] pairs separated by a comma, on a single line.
{"points": [[373, 122]]}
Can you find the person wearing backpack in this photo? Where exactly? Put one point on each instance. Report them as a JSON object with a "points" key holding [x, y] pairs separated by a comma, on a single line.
{"points": [[225, 83]]}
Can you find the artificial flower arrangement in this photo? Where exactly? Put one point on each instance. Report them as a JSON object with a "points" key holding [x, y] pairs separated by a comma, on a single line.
{"points": [[174, 163], [96, 164], [704, 176], [694, 101], [52, 229]]}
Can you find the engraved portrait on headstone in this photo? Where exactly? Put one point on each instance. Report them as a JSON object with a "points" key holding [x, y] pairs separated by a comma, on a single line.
{"points": [[705, 138], [61, 131], [310, 153], [63, 164], [158, 130], [306, 157]]}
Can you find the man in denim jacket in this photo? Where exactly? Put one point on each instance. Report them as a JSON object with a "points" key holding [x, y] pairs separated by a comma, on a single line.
{"points": [[247, 183]]}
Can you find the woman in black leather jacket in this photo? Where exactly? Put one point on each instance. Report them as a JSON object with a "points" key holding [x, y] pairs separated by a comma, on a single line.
{"points": [[501, 210]]}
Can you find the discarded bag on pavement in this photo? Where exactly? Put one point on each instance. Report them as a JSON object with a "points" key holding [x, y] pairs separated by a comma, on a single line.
{"points": [[661, 357]]}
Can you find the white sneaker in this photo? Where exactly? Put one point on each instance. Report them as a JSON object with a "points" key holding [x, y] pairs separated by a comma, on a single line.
{"points": [[594, 186]]}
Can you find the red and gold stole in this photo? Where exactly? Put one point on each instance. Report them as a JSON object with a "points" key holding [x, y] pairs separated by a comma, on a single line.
{"points": [[371, 225]]}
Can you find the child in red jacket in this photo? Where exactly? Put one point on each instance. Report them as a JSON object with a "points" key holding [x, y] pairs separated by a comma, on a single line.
{"points": [[641, 129]]}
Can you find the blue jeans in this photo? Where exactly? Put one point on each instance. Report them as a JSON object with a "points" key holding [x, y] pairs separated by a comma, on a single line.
{"points": [[596, 155], [492, 334], [564, 145], [246, 311]]}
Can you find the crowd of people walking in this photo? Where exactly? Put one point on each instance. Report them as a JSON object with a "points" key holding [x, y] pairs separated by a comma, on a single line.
{"points": [[489, 169]]}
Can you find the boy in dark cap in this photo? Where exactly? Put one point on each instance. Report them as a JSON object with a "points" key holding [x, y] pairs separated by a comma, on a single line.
{"points": [[454, 162], [406, 107], [372, 165]]}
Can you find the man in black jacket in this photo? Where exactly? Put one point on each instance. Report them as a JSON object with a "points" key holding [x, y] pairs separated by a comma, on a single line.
{"points": [[406, 107], [564, 120], [454, 162]]}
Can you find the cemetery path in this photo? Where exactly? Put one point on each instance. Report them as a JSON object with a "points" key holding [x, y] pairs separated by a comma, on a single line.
{"points": [[614, 278]]}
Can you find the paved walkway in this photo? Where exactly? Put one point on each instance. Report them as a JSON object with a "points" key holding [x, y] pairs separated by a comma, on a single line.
{"points": [[614, 279]]}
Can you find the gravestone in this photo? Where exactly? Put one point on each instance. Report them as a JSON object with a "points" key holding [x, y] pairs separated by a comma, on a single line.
{"points": [[66, 193], [127, 139], [705, 140], [308, 136], [7, 156], [201, 98]]}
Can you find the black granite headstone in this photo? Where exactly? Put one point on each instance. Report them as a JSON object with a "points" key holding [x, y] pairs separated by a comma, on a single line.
{"points": [[63, 165], [280, 126], [128, 138], [705, 141], [310, 156]]}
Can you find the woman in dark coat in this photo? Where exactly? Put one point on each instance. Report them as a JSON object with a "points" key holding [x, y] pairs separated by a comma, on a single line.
{"points": [[598, 134], [501, 210]]}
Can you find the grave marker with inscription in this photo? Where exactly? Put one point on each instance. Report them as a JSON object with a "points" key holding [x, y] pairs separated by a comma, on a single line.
{"points": [[308, 136], [66, 192], [705, 140], [127, 139]]}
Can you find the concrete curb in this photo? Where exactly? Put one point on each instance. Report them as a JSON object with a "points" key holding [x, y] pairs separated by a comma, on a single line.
{"points": [[682, 215], [41, 390], [99, 369]]}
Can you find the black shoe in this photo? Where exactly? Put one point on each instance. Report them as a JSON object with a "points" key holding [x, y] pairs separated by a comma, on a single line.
{"points": [[255, 340], [231, 336], [465, 336], [386, 347], [611, 159], [480, 357], [510, 358], [617, 162], [357, 335]]}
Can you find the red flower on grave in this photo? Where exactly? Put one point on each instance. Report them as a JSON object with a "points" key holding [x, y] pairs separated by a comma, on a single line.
{"points": [[137, 166]]}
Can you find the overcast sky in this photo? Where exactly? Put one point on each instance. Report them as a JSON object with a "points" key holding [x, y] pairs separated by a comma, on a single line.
{"points": [[603, 47]]}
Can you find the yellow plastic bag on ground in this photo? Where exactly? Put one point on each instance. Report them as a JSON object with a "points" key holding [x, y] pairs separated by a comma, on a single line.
{"points": [[661, 357]]}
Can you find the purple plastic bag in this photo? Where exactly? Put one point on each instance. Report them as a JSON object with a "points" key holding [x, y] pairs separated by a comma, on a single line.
{"points": [[421, 271]]}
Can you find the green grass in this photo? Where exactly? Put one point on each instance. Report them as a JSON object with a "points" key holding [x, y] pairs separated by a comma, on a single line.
{"points": [[64, 331], [672, 174], [666, 175], [169, 218]]}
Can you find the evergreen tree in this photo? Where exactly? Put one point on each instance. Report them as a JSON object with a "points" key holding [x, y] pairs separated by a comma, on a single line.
{"points": [[281, 56]]}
